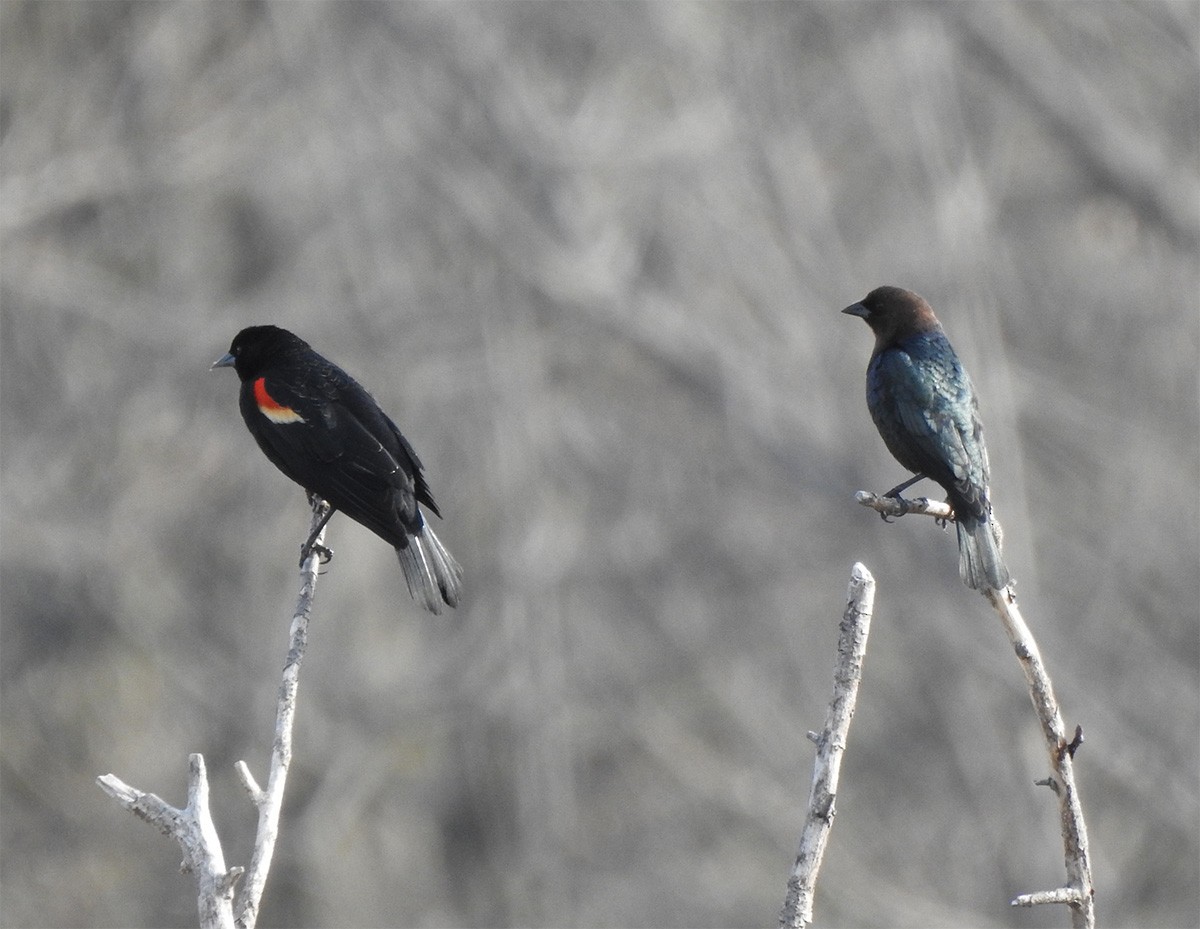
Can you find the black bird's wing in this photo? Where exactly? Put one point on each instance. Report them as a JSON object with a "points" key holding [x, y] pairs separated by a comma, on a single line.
{"points": [[923, 403], [330, 437]]}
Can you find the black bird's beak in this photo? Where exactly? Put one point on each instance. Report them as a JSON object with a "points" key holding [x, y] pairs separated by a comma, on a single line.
{"points": [[854, 309], [225, 361]]}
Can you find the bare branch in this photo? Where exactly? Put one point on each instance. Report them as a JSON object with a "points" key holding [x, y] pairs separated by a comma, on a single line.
{"points": [[193, 826], [256, 793], [1068, 895], [831, 743], [196, 833], [895, 506], [269, 802], [150, 807], [1079, 893]]}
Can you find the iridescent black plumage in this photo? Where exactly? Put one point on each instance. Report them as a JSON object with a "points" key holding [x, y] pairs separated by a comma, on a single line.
{"points": [[924, 406]]}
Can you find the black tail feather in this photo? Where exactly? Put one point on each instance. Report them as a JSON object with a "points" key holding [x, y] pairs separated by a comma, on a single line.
{"points": [[434, 577], [979, 563]]}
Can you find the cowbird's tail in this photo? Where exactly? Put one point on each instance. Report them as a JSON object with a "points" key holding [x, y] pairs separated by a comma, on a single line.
{"points": [[433, 576], [979, 562]]}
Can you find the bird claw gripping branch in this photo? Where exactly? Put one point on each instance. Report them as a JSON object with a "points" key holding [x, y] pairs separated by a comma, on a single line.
{"points": [[323, 552]]}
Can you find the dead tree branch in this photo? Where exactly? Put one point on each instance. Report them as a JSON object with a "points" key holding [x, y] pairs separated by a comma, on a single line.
{"points": [[269, 802], [193, 825], [1079, 892], [831, 743], [193, 828]]}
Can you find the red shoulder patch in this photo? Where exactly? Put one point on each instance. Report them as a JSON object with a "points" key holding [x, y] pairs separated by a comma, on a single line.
{"points": [[271, 408]]}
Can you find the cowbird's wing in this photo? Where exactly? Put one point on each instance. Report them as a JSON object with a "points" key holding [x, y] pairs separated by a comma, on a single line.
{"points": [[926, 411]]}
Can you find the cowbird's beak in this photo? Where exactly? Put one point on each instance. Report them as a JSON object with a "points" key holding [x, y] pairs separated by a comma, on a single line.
{"points": [[857, 309], [225, 361]]}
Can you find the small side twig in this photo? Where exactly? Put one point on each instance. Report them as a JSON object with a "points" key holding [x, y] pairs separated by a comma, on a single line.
{"points": [[831, 743], [894, 506]]}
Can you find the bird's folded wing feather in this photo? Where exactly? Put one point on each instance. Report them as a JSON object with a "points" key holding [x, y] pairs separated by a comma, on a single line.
{"points": [[350, 467], [936, 413]]}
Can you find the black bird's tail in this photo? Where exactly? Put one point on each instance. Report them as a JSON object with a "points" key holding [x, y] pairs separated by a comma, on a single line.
{"points": [[433, 576], [979, 562]]}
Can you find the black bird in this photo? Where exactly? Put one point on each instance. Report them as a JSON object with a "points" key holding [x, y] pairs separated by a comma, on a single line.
{"points": [[324, 431], [924, 406]]}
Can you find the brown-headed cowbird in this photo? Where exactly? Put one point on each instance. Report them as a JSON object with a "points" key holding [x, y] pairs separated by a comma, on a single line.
{"points": [[924, 406]]}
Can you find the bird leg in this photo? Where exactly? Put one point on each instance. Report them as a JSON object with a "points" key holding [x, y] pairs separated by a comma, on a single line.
{"points": [[323, 552], [894, 493]]}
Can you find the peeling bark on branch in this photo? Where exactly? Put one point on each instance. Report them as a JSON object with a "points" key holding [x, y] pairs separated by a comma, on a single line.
{"points": [[831, 743], [193, 828], [1079, 893], [894, 506]]}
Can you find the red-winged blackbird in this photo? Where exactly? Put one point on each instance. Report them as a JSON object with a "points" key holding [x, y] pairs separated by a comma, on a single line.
{"points": [[324, 431]]}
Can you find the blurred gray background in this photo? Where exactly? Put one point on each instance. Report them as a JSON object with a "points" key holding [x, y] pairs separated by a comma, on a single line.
{"points": [[591, 256]]}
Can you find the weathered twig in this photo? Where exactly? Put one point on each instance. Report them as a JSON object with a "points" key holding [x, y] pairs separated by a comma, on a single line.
{"points": [[1079, 893], [894, 506], [193, 826], [831, 743]]}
